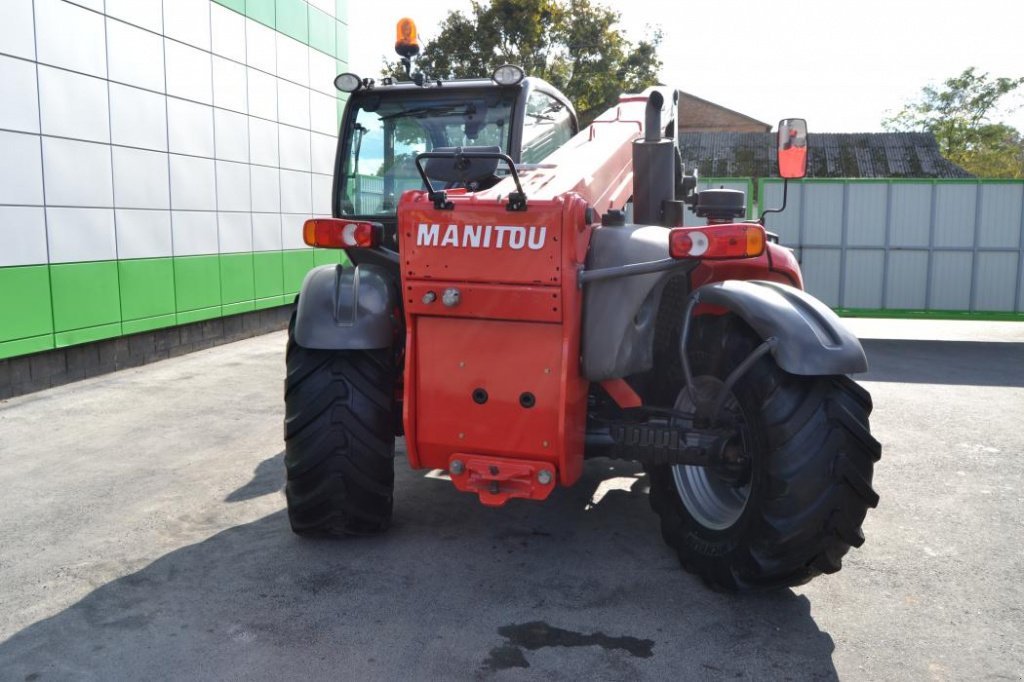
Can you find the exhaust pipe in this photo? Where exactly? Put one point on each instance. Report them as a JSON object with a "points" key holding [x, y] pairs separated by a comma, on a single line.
{"points": [[654, 178]]}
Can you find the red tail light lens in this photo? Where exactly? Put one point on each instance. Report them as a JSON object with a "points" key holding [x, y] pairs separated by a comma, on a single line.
{"points": [[331, 233], [736, 240]]}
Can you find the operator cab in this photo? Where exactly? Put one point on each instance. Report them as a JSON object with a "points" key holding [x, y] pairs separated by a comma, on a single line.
{"points": [[387, 124]]}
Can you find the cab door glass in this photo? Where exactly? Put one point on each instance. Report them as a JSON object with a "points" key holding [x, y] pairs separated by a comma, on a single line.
{"points": [[547, 127]]}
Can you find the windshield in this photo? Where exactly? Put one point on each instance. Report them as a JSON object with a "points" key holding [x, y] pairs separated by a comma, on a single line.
{"points": [[388, 133]]}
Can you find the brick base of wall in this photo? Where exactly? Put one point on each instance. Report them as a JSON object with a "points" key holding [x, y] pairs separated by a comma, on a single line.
{"points": [[29, 373]]}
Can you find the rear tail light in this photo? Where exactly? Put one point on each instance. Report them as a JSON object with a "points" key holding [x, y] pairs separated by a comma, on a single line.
{"points": [[331, 233], [736, 240]]}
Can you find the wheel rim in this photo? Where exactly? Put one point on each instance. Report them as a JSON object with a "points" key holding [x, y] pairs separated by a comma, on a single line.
{"points": [[713, 502]]}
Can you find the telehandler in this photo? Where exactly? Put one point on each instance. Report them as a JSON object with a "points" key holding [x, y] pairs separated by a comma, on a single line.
{"points": [[522, 296]]}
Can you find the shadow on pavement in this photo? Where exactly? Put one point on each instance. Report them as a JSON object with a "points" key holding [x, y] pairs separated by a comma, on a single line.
{"points": [[579, 587], [973, 363], [267, 478]]}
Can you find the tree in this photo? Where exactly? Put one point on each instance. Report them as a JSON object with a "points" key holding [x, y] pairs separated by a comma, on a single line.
{"points": [[572, 44], [959, 117]]}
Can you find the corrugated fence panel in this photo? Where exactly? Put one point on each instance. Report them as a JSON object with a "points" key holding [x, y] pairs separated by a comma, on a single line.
{"points": [[923, 245], [865, 215], [1000, 217], [950, 284], [996, 283], [823, 208]]}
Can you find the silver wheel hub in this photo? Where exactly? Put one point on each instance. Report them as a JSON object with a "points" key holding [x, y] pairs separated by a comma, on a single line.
{"points": [[712, 501]]}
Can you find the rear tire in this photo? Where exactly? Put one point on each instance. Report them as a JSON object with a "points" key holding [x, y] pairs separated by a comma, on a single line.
{"points": [[809, 485], [339, 440]]}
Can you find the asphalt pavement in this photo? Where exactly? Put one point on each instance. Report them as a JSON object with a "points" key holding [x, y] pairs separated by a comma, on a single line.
{"points": [[143, 536]]}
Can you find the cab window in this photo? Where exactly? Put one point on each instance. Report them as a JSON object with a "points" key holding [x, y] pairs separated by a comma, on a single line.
{"points": [[548, 125]]}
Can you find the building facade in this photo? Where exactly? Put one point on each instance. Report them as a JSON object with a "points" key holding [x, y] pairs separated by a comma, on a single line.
{"points": [[158, 160]]}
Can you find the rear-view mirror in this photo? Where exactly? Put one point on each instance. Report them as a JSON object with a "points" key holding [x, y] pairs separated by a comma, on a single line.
{"points": [[792, 145]]}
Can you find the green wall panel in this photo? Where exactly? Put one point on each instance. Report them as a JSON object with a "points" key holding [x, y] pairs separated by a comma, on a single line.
{"points": [[328, 256], [296, 265], [261, 11], [268, 275], [25, 302], [190, 316], [85, 295], [97, 333], [293, 19], [341, 10], [236, 308], [236, 278], [148, 323], [322, 32], [147, 288], [196, 282], [237, 5], [9, 349]]}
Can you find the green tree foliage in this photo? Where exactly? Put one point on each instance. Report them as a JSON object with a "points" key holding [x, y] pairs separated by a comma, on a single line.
{"points": [[958, 115], [573, 44]]}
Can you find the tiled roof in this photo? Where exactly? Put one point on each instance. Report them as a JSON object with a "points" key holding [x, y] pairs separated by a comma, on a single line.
{"points": [[830, 155]]}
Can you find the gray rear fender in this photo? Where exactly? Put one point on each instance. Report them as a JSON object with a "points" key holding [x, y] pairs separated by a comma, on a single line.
{"points": [[349, 308], [810, 338], [620, 315]]}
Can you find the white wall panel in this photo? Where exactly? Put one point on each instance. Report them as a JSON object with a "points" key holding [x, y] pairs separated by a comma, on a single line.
{"points": [[195, 233], [188, 21], [322, 71], [227, 33], [77, 173], [954, 214], [322, 194], [908, 282], [94, 5], [296, 192], [291, 230], [192, 183], [80, 234], [326, 6], [136, 56], [263, 148], [266, 231], [19, 103], [190, 128], [292, 60], [262, 95], [233, 186], [141, 179], [950, 285], [862, 287], [866, 214], [260, 47], [295, 148], [231, 134], [229, 85], [138, 118], [823, 209], [293, 104], [17, 33], [235, 230], [70, 37], [21, 171], [999, 222], [143, 234], [821, 273], [189, 72], [73, 105], [22, 235], [323, 148], [996, 281], [266, 189], [909, 222], [323, 113], [146, 14], [787, 223]]}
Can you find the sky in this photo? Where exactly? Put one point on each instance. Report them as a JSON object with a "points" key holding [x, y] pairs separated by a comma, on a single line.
{"points": [[842, 65]]}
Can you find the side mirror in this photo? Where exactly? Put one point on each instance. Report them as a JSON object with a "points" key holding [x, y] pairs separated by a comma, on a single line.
{"points": [[792, 145]]}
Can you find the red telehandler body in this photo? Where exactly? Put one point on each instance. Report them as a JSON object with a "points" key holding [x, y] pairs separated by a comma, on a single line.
{"points": [[522, 297]]}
